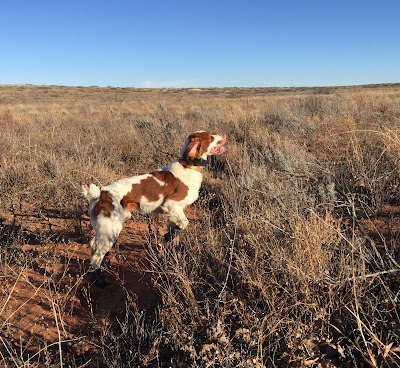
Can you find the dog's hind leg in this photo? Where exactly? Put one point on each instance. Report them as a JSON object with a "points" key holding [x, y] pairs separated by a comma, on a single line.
{"points": [[106, 236], [93, 245]]}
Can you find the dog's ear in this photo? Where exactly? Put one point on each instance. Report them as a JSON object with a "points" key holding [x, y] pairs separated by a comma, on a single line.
{"points": [[192, 149]]}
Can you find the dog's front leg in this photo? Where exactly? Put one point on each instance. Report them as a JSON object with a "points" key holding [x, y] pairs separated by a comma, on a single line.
{"points": [[173, 230], [177, 222]]}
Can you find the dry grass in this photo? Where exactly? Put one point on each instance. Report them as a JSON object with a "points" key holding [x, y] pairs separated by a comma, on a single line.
{"points": [[292, 260]]}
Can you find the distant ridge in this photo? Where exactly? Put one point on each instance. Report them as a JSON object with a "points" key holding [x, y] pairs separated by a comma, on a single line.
{"points": [[10, 93]]}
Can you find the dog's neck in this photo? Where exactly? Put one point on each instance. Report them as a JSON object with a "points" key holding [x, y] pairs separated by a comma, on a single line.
{"points": [[200, 162], [197, 164]]}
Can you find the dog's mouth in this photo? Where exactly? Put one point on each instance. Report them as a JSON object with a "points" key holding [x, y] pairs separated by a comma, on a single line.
{"points": [[218, 150], [219, 146]]}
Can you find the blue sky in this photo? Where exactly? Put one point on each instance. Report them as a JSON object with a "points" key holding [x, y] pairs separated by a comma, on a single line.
{"points": [[219, 43]]}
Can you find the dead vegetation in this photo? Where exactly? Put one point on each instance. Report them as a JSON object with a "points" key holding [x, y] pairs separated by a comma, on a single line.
{"points": [[291, 257]]}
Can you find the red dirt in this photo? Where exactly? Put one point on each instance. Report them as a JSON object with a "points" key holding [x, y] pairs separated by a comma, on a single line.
{"points": [[45, 276], [384, 228]]}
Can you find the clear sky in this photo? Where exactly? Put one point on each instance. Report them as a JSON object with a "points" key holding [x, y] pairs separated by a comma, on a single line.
{"points": [[199, 43]]}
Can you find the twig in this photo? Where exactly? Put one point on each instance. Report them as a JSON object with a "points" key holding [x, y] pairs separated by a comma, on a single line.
{"points": [[374, 337], [371, 275], [11, 292], [58, 329], [24, 303], [8, 351], [47, 346], [3, 359]]}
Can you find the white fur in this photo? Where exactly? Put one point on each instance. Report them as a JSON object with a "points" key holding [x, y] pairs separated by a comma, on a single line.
{"points": [[189, 177], [91, 191]]}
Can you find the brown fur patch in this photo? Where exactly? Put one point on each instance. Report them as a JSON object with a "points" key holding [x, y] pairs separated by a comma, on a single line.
{"points": [[221, 142], [104, 205], [173, 189], [203, 139]]}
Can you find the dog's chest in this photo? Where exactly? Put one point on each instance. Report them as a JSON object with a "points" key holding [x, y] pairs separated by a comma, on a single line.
{"points": [[191, 178]]}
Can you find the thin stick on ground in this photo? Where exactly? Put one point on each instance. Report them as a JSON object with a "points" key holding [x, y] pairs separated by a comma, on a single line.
{"points": [[56, 320]]}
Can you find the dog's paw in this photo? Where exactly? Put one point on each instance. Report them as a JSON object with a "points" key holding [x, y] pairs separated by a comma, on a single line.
{"points": [[99, 279], [172, 234]]}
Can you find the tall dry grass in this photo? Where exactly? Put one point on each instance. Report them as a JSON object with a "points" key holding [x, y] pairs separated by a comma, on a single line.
{"points": [[279, 270]]}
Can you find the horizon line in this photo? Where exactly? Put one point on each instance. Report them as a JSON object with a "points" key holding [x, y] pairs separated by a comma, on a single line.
{"points": [[194, 87]]}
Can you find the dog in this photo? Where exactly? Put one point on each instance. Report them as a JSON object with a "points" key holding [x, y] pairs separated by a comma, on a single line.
{"points": [[168, 190]]}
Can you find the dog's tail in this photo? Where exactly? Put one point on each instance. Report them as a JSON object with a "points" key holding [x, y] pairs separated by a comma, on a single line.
{"points": [[91, 191]]}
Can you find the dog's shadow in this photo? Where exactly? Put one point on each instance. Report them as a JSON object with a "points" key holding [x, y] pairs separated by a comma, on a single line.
{"points": [[58, 250], [127, 280]]}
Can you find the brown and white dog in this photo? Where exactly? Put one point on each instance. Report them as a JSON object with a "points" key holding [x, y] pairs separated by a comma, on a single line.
{"points": [[170, 190]]}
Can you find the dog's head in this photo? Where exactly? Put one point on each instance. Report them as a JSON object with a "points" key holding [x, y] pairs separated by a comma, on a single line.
{"points": [[201, 144]]}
